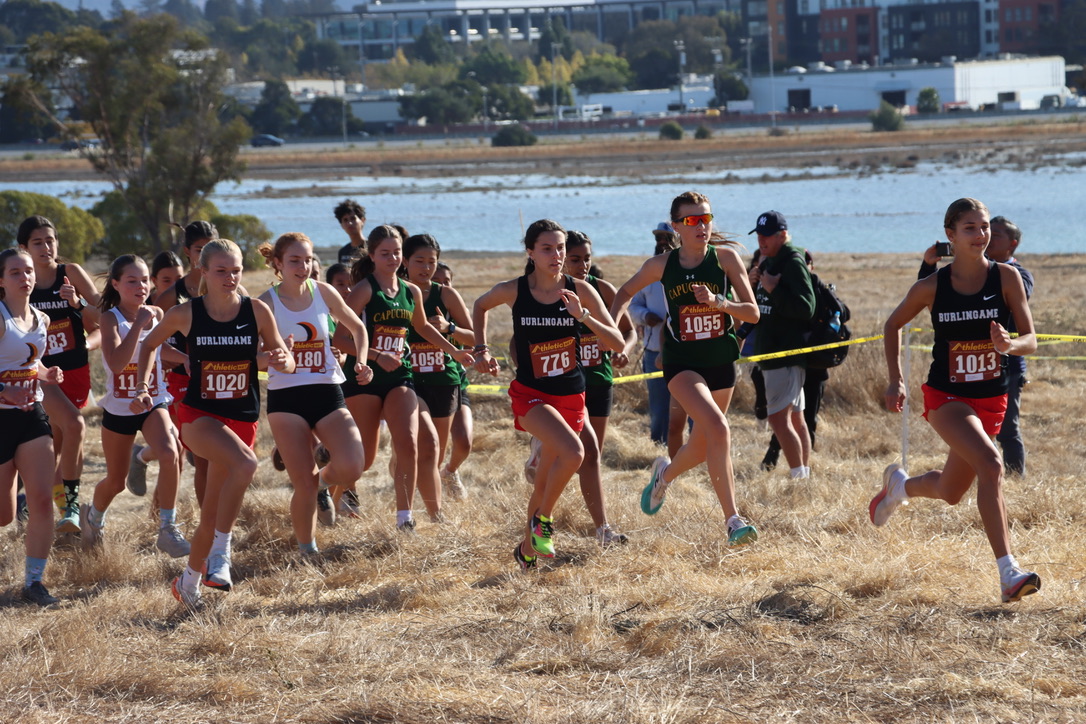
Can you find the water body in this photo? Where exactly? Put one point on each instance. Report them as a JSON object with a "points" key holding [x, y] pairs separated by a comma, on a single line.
{"points": [[891, 211]]}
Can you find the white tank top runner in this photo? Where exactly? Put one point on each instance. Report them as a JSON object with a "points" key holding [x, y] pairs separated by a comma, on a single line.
{"points": [[20, 351], [121, 384], [315, 363]]}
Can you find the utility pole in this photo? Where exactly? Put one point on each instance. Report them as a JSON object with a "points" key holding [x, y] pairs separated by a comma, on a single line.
{"points": [[681, 47], [554, 88], [772, 86]]}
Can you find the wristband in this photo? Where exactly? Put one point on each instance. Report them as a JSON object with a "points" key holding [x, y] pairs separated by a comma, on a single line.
{"points": [[481, 348], [584, 316], [143, 387]]}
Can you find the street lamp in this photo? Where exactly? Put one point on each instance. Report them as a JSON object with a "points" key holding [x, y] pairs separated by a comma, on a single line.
{"points": [[486, 114]]}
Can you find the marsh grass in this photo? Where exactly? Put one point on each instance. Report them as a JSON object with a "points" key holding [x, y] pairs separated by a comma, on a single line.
{"points": [[825, 618]]}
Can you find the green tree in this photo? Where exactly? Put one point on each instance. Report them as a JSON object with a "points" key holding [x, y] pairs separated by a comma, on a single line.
{"points": [[152, 93], [78, 231], [216, 10], [602, 74], [671, 131], [454, 103], [493, 65], [432, 47], [320, 57], [654, 68], [886, 118], [514, 135], [28, 17], [554, 38], [507, 103], [184, 10], [246, 231], [277, 111], [326, 116], [729, 87], [20, 118], [927, 101], [546, 95], [248, 13]]}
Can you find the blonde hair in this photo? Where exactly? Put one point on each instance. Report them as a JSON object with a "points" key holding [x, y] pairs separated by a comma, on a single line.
{"points": [[211, 248]]}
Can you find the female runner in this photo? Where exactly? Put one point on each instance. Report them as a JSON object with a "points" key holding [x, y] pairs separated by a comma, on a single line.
{"points": [[436, 375], [310, 401], [462, 429], [548, 392], [196, 235], [126, 320], [27, 440], [972, 300], [223, 331], [166, 269], [392, 306], [69, 298], [698, 350]]}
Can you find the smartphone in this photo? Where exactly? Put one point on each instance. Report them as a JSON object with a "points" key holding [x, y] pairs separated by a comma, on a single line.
{"points": [[943, 248]]}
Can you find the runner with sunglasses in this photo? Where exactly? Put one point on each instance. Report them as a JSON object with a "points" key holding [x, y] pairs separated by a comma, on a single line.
{"points": [[706, 287]]}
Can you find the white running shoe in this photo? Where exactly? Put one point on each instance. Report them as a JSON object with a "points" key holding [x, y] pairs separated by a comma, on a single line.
{"points": [[883, 505], [218, 572], [91, 534], [607, 536], [326, 511], [171, 542], [1019, 584]]}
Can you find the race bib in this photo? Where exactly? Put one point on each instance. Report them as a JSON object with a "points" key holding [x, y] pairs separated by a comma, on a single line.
{"points": [[389, 339], [309, 356], [24, 379], [553, 358], [224, 380], [124, 382], [700, 321], [974, 361], [61, 337], [591, 354], [427, 357]]}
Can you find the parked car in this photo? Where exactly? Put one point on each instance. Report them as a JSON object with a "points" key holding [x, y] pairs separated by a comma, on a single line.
{"points": [[73, 144], [266, 139]]}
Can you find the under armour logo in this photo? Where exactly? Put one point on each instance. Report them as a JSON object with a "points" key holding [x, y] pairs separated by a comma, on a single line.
{"points": [[689, 276]]}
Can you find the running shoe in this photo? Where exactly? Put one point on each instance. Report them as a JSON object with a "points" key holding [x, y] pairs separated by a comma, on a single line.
{"points": [[740, 532], [190, 599], [170, 541], [882, 505], [321, 456], [136, 482], [69, 522], [652, 497], [349, 506], [22, 513], [277, 460], [454, 486], [525, 562], [531, 465], [1019, 584], [407, 526], [217, 574], [91, 534], [543, 535], [607, 536], [37, 593], [326, 512]]}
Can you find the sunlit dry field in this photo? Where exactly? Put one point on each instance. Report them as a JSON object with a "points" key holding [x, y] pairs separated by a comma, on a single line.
{"points": [[825, 618]]}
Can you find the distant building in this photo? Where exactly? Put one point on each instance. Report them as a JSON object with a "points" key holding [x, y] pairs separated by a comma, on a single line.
{"points": [[1016, 83]]}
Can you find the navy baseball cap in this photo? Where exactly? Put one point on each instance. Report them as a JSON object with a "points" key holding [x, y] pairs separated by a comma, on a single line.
{"points": [[769, 224]]}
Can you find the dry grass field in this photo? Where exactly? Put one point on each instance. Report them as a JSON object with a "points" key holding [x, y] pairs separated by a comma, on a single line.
{"points": [[825, 618]]}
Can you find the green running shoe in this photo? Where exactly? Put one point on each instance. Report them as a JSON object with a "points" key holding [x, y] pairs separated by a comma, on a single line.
{"points": [[542, 535]]}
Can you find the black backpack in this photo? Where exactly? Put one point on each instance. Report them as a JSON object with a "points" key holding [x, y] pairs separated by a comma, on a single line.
{"points": [[830, 312]]}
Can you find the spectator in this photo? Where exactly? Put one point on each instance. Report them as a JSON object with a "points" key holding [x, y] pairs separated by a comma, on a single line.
{"points": [[352, 218], [648, 310]]}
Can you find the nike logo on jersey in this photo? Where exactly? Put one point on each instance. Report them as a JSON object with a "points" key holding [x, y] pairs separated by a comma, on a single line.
{"points": [[991, 296], [242, 326], [56, 291]]}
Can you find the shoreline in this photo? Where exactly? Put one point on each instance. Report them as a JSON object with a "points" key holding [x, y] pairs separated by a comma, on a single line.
{"points": [[637, 156]]}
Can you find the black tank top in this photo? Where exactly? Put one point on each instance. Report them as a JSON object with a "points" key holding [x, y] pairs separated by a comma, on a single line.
{"points": [[964, 361], [66, 345], [222, 357], [177, 340], [547, 343]]}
